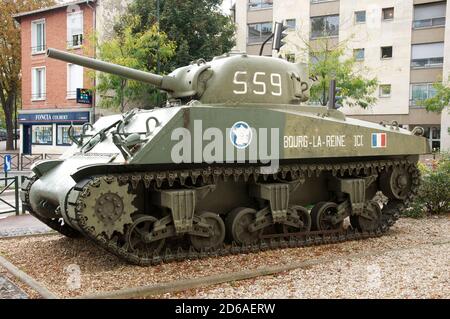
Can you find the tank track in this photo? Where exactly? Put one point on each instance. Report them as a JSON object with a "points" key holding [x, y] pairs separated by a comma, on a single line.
{"points": [[178, 252]]}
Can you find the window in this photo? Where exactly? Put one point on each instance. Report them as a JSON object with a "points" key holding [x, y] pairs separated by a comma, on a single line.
{"points": [[427, 55], [433, 134], [360, 16], [38, 37], [260, 4], [358, 54], [42, 134], [325, 26], [388, 13], [386, 52], [75, 29], [421, 92], [62, 134], [429, 15], [38, 90], [385, 90], [320, 1], [291, 23], [258, 32], [74, 80]]}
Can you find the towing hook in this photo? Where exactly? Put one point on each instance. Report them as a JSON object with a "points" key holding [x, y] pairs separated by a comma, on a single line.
{"points": [[418, 131]]}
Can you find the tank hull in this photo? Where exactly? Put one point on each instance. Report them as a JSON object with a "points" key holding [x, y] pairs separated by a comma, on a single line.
{"points": [[280, 133], [197, 173]]}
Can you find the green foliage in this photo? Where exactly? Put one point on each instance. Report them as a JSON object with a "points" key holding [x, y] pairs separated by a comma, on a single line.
{"points": [[327, 63], [2, 119], [434, 192], [137, 50], [423, 168], [198, 27], [439, 101]]}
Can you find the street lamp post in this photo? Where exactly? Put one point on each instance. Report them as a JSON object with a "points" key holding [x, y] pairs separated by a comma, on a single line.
{"points": [[15, 122], [158, 58]]}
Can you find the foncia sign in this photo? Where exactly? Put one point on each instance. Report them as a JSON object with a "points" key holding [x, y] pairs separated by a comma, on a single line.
{"points": [[55, 117]]}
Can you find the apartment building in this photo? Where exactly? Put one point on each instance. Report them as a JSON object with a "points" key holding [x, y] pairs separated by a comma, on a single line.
{"points": [[55, 94], [404, 43]]}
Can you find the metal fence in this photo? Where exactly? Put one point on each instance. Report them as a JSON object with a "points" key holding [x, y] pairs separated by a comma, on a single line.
{"points": [[27, 160], [22, 162], [9, 203]]}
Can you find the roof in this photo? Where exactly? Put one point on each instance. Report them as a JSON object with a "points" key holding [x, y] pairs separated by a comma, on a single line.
{"points": [[58, 6]]}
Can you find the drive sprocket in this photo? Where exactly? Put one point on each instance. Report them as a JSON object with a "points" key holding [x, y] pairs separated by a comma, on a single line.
{"points": [[108, 206]]}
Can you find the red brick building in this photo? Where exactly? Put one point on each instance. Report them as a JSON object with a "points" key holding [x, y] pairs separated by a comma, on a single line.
{"points": [[49, 87]]}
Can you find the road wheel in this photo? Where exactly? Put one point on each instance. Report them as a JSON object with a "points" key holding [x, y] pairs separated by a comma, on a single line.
{"points": [[321, 216]]}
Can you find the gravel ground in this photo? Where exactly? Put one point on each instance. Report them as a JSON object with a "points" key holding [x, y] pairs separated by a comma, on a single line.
{"points": [[417, 273], [70, 267]]}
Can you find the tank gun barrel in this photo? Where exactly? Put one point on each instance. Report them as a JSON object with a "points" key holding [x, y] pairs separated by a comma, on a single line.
{"points": [[159, 81]]}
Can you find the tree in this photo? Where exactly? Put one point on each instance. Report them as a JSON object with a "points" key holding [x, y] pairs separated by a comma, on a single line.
{"points": [[328, 61], [137, 50], [198, 27], [441, 98], [10, 52]]}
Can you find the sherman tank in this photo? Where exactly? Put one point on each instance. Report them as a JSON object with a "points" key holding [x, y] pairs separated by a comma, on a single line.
{"points": [[236, 162]]}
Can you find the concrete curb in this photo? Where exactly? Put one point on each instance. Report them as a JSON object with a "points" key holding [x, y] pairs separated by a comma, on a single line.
{"points": [[9, 191], [185, 284], [50, 233], [22, 276], [18, 172]]}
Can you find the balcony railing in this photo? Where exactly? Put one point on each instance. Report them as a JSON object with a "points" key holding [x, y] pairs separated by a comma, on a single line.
{"points": [[315, 34], [39, 49], [320, 1], [38, 96], [427, 63], [416, 103], [71, 95], [253, 40], [261, 4], [77, 40], [428, 23]]}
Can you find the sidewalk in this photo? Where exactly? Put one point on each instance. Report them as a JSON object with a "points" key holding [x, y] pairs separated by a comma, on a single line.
{"points": [[21, 225]]}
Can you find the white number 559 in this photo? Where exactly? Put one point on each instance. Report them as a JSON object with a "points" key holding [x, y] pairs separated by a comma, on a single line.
{"points": [[259, 83]]}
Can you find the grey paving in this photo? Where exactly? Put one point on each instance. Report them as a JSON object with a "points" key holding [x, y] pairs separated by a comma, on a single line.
{"points": [[21, 225], [9, 290]]}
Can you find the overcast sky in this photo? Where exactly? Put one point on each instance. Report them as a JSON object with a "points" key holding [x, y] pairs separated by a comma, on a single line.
{"points": [[226, 5]]}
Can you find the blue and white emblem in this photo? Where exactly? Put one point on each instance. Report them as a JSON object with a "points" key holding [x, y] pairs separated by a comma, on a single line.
{"points": [[241, 135]]}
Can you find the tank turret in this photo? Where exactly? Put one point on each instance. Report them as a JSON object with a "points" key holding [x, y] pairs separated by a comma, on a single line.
{"points": [[232, 78]]}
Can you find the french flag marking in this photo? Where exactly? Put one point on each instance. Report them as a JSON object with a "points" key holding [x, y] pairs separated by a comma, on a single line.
{"points": [[379, 140]]}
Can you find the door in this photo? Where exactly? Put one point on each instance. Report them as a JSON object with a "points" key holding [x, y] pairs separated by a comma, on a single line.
{"points": [[26, 140]]}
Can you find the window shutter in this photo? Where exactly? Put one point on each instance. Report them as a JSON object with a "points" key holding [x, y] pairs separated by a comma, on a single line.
{"points": [[75, 79], [34, 35], [44, 84], [429, 11], [426, 51], [33, 83]]}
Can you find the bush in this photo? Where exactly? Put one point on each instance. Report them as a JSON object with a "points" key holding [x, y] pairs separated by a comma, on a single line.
{"points": [[434, 192]]}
